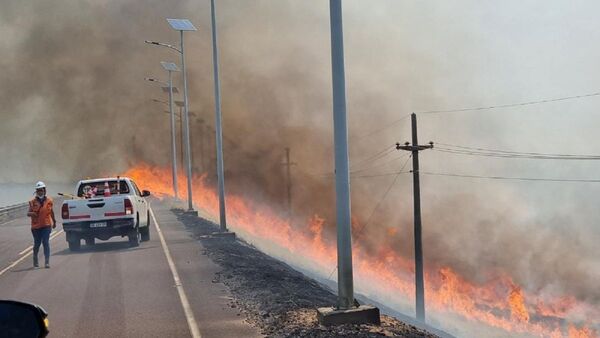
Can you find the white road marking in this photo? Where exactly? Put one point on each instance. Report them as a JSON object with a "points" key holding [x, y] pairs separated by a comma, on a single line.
{"points": [[13, 264], [31, 246], [12, 220], [24, 251], [187, 309]]}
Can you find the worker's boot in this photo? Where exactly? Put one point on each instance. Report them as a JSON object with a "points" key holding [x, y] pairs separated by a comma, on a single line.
{"points": [[35, 262]]}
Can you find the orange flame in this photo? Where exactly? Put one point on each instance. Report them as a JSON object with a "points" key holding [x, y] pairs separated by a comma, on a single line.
{"points": [[518, 311], [498, 303]]}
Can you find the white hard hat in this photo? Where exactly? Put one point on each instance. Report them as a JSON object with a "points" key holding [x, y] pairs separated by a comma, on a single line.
{"points": [[40, 185]]}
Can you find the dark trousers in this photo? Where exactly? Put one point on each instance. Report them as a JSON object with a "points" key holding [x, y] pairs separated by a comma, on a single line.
{"points": [[41, 236]]}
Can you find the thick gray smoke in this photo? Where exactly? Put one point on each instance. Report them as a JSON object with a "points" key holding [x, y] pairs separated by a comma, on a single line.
{"points": [[74, 104]]}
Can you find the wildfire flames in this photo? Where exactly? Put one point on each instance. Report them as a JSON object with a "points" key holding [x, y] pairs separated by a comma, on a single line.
{"points": [[499, 302]]}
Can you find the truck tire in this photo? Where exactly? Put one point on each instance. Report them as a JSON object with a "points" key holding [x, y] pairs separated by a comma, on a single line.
{"points": [[145, 231], [74, 245], [90, 241], [134, 237]]}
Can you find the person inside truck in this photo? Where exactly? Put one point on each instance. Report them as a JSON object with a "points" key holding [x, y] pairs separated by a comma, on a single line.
{"points": [[42, 222], [94, 189], [89, 192]]}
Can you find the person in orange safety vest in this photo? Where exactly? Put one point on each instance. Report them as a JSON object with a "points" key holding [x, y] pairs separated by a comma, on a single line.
{"points": [[42, 222]]}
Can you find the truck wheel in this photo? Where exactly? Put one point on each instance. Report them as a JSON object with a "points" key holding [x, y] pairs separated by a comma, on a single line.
{"points": [[90, 241], [74, 245], [145, 231], [134, 237]]}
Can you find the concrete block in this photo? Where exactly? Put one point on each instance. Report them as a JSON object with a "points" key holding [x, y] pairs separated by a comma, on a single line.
{"points": [[364, 314], [191, 213], [226, 234]]}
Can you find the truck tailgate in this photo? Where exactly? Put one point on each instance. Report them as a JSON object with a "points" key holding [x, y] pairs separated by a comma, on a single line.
{"points": [[98, 208]]}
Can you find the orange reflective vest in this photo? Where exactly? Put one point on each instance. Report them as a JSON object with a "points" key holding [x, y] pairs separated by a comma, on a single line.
{"points": [[44, 212]]}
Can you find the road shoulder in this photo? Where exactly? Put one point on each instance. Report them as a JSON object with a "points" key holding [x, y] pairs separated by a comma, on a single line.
{"points": [[211, 301]]}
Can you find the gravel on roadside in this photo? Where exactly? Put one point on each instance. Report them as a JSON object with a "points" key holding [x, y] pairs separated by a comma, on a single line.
{"points": [[274, 297]]}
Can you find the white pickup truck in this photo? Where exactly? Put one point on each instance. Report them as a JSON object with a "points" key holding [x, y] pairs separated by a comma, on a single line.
{"points": [[106, 207]]}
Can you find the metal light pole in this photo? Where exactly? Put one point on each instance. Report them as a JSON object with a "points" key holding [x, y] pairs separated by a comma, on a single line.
{"points": [[342, 174], [218, 128], [183, 25], [180, 105], [182, 141], [170, 67], [346, 310]]}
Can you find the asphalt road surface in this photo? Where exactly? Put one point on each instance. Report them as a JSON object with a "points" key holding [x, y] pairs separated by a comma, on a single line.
{"points": [[159, 289]]}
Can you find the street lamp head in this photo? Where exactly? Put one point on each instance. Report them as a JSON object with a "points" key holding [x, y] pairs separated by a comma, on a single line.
{"points": [[181, 25], [151, 79], [169, 66], [159, 101], [166, 90]]}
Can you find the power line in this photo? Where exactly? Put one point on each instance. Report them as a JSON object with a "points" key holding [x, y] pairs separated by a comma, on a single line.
{"points": [[359, 231], [514, 155], [380, 154], [513, 178], [329, 176], [520, 104], [381, 175], [378, 165], [387, 126], [509, 105], [375, 157], [515, 152]]}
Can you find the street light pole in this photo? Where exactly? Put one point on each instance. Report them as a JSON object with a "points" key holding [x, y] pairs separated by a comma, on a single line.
{"points": [[173, 145], [171, 67], [186, 133], [346, 311], [342, 174], [218, 127]]}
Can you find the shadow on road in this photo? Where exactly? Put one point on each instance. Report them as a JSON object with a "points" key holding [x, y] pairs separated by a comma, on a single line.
{"points": [[103, 247], [31, 268]]}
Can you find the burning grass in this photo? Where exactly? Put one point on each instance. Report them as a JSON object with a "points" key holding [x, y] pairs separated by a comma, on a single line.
{"points": [[499, 302]]}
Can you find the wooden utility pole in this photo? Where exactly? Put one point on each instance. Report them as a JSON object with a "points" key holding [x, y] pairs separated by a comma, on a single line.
{"points": [[288, 163], [419, 281]]}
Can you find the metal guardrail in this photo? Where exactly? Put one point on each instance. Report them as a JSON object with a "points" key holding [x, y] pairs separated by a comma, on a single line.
{"points": [[12, 211]]}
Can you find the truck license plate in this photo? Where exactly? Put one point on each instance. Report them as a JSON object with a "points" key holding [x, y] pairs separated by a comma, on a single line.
{"points": [[98, 225]]}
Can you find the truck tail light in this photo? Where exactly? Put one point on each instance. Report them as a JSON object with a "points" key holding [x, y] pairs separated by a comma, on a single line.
{"points": [[65, 211], [128, 206]]}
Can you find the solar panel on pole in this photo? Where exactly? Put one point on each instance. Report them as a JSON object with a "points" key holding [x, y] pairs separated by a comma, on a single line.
{"points": [[181, 24], [169, 66]]}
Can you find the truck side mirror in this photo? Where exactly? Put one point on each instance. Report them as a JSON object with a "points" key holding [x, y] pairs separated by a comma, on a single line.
{"points": [[145, 193], [20, 319]]}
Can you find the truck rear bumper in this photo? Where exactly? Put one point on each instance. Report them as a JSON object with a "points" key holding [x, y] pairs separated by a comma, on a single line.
{"points": [[114, 227]]}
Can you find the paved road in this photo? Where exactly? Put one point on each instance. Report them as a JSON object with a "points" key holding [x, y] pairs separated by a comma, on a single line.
{"points": [[112, 290]]}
